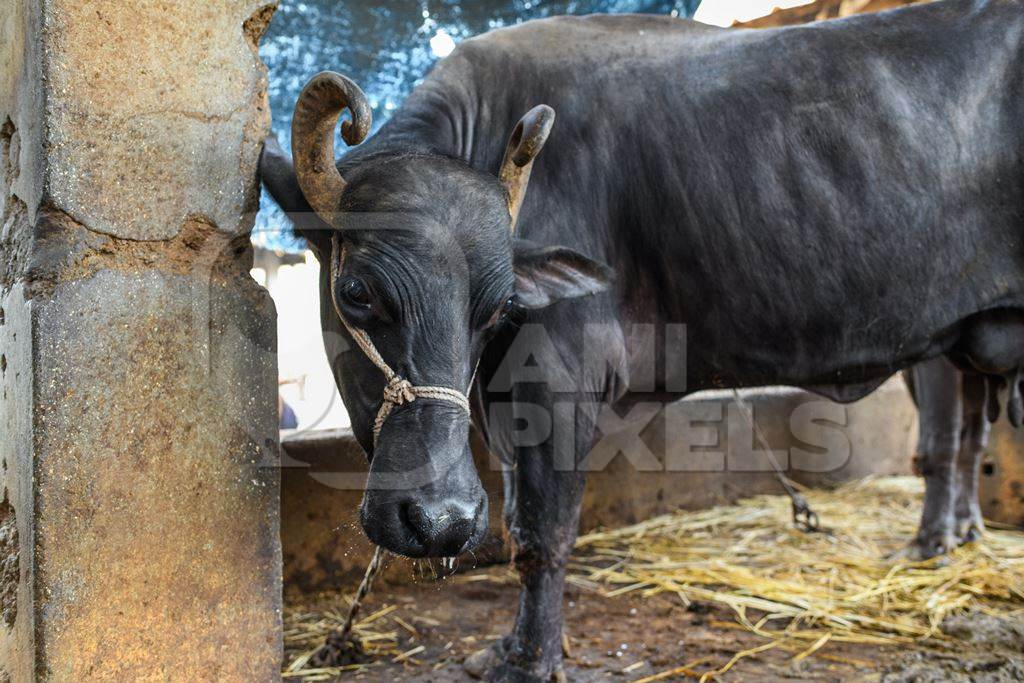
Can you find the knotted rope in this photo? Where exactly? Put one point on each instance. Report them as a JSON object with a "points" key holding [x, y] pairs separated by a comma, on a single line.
{"points": [[398, 390]]}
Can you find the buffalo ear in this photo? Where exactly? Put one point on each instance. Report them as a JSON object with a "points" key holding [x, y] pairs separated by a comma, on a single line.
{"points": [[545, 275]]}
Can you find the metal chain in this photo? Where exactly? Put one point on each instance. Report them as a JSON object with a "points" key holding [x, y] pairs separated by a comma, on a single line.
{"points": [[804, 518], [397, 391], [364, 588]]}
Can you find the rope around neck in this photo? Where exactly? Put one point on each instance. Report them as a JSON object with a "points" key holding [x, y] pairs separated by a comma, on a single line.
{"points": [[398, 390]]}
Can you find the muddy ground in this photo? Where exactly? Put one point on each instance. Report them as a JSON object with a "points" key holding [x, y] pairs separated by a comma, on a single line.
{"points": [[628, 638]]}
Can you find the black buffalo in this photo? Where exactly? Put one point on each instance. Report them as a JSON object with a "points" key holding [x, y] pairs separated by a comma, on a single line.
{"points": [[820, 206]]}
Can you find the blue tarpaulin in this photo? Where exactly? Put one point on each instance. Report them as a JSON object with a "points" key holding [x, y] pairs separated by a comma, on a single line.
{"points": [[386, 48]]}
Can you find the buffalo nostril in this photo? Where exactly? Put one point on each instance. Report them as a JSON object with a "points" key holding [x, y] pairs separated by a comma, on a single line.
{"points": [[474, 528], [443, 530], [416, 520]]}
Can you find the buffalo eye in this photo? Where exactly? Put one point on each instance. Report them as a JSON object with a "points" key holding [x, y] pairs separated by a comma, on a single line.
{"points": [[503, 312], [356, 293]]}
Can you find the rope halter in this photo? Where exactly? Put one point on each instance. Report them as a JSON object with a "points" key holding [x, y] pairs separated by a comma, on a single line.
{"points": [[398, 390]]}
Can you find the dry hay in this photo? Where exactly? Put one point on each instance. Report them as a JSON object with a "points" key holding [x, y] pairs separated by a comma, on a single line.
{"points": [[799, 591], [306, 628], [803, 590]]}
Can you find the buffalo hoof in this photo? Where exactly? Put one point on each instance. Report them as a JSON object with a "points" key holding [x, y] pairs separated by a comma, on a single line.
{"points": [[926, 548], [481, 662], [970, 530], [509, 673], [491, 665]]}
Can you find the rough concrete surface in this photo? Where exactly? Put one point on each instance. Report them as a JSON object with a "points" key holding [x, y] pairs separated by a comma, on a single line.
{"points": [[139, 508], [874, 436], [156, 510], [22, 100], [176, 95], [1001, 486], [16, 381]]}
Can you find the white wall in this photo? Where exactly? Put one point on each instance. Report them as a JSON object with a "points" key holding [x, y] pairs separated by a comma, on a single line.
{"points": [[306, 381], [725, 12]]}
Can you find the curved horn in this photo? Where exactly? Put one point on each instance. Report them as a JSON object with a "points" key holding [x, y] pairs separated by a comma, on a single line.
{"points": [[525, 143], [320, 103]]}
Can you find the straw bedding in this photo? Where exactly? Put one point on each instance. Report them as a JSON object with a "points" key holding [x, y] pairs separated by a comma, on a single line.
{"points": [[809, 589], [305, 631], [798, 591]]}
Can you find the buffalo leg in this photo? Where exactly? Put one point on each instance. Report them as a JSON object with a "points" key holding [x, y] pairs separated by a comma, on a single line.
{"points": [[543, 527], [973, 441], [936, 388]]}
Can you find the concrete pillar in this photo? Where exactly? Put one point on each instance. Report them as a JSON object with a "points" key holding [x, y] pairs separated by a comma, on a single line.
{"points": [[139, 511]]}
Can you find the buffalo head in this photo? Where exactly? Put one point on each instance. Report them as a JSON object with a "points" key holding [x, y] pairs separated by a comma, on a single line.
{"points": [[425, 264]]}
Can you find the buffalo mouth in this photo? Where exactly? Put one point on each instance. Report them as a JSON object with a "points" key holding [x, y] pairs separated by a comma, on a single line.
{"points": [[420, 527], [423, 495]]}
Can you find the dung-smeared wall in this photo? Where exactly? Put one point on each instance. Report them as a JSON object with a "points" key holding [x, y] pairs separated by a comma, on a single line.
{"points": [[138, 479]]}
